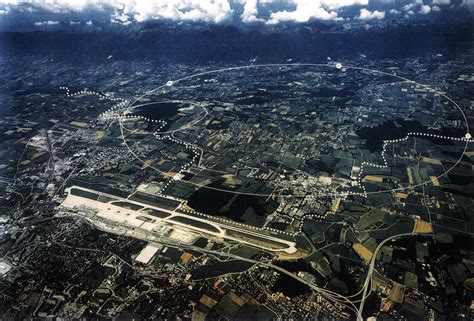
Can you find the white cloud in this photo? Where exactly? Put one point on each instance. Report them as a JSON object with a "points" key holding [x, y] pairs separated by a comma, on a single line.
{"points": [[441, 2], [57, 6], [425, 9], [336, 4], [421, 8], [5, 10], [217, 11], [365, 14], [250, 11], [311, 9], [89, 23], [301, 15], [197, 10], [120, 18], [46, 23], [73, 23], [194, 10], [139, 10], [409, 7]]}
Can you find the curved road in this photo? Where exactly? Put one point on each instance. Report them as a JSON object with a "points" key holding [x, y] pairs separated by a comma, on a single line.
{"points": [[371, 269]]}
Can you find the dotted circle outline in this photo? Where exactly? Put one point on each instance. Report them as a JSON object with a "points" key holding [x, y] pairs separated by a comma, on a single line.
{"points": [[344, 68]]}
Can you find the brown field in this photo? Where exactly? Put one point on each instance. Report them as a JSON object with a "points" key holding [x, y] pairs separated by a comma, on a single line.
{"points": [[422, 227], [363, 252], [373, 178]]}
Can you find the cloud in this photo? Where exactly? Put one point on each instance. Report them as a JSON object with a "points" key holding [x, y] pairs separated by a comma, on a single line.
{"points": [[64, 6], [365, 14], [46, 23], [441, 2], [336, 4], [409, 7], [4, 11], [89, 23], [138, 10], [425, 9], [120, 18], [302, 15], [73, 23], [250, 12], [217, 11], [194, 10], [306, 10], [421, 8]]}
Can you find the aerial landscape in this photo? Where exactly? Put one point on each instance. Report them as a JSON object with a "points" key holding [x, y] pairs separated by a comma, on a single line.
{"points": [[237, 160]]}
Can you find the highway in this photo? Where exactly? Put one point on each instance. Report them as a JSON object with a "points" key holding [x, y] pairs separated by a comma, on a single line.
{"points": [[370, 271]]}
